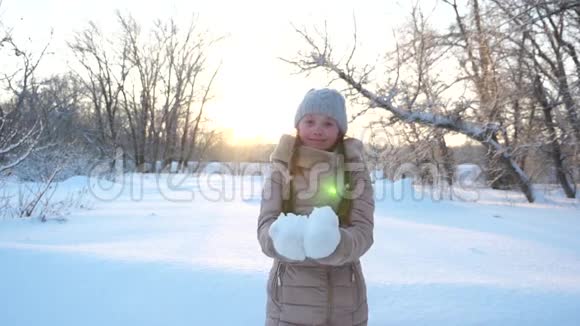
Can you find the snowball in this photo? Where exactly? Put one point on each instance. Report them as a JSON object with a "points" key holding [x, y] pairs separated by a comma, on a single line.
{"points": [[322, 233], [287, 234]]}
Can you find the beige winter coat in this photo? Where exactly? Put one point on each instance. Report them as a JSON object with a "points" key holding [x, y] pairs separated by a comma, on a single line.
{"points": [[332, 290]]}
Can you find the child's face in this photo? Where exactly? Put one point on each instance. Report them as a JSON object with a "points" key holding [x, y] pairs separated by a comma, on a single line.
{"points": [[318, 131]]}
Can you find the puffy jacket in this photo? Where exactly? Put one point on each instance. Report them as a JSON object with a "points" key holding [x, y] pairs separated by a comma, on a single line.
{"points": [[331, 290]]}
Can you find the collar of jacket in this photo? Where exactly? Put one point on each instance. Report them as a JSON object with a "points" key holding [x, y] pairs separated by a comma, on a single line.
{"points": [[307, 157]]}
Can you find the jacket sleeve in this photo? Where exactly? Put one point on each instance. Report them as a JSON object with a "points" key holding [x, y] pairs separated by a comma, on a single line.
{"points": [[270, 209], [356, 239]]}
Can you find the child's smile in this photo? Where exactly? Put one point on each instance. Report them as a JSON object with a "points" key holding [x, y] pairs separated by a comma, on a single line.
{"points": [[318, 131]]}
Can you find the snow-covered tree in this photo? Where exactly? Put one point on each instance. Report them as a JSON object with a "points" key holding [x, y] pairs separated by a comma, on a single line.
{"points": [[20, 126], [484, 76]]}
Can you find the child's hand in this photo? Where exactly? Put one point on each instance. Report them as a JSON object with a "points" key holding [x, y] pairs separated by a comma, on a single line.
{"points": [[322, 234], [287, 234]]}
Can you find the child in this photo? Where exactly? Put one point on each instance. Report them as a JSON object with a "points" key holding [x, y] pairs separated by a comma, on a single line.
{"points": [[316, 219]]}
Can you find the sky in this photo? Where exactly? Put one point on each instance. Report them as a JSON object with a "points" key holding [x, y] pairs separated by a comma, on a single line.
{"points": [[255, 93]]}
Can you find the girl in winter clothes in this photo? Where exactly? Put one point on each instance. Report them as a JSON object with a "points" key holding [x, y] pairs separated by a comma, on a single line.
{"points": [[316, 219]]}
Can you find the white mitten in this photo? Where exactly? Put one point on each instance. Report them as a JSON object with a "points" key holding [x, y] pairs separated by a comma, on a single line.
{"points": [[322, 234], [287, 234]]}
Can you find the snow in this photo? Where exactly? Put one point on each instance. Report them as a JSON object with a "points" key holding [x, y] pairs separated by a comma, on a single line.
{"points": [[322, 234], [287, 234], [469, 174], [182, 250]]}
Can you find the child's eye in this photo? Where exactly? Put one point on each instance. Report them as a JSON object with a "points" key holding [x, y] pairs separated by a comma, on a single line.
{"points": [[309, 122], [328, 124]]}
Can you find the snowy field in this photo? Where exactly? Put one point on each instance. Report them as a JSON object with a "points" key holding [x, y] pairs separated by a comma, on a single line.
{"points": [[180, 251]]}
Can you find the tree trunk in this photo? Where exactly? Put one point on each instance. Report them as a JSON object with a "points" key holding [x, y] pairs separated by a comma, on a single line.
{"points": [[555, 151], [447, 157]]}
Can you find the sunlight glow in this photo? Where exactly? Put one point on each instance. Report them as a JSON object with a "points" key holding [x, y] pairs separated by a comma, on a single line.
{"points": [[255, 93]]}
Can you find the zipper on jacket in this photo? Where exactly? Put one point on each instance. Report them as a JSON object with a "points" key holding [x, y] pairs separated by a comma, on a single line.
{"points": [[276, 282], [330, 294], [354, 283], [279, 273]]}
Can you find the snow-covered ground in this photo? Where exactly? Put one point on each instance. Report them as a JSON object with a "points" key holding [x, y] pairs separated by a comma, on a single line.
{"points": [[180, 251]]}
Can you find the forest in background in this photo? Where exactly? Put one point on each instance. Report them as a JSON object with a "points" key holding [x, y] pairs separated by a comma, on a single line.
{"points": [[504, 74]]}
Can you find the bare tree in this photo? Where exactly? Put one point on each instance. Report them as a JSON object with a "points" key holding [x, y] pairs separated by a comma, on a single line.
{"points": [[20, 128], [199, 140], [104, 77], [556, 151], [548, 50], [23, 117], [148, 88], [172, 80], [405, 109], [418, 55], [479, 52]]}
